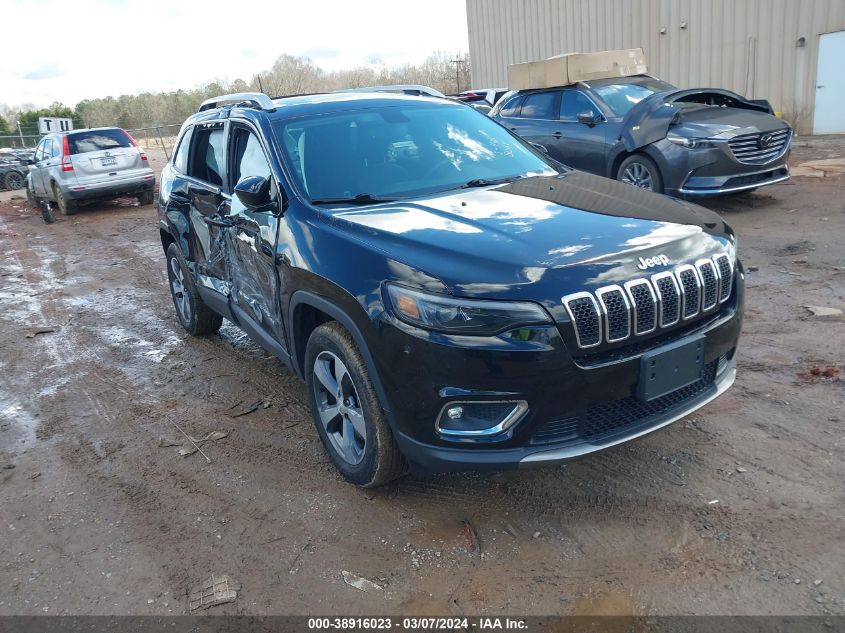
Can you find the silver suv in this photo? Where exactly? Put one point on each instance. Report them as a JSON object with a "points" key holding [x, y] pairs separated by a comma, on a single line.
{"points": [[87, 165]]}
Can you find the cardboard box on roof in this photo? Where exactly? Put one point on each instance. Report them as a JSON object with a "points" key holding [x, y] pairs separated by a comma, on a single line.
{"points": [[563, 70]]}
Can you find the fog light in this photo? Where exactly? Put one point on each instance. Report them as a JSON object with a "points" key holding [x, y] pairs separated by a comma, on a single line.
{"points": [[455, 413], [479, 420]]}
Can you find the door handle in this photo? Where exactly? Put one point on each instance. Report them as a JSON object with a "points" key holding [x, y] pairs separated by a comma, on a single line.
{"points": [[513, 129], [557, 135]]}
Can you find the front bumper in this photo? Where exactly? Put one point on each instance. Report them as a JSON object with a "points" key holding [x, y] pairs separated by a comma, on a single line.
{"points": [[422, 374], [441, 459], [712, 171]]}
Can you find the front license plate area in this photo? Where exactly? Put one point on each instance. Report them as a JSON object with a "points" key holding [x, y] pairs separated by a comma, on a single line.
{"points": [[671, 368]]}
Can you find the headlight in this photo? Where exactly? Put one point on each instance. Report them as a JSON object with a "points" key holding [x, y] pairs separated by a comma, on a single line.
{"points": [[462, 316], [690, 143]]}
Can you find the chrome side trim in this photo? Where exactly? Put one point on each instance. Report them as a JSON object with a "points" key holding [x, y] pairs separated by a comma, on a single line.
{"points": [[713, 192], [722, 384], [607, 290], [583, 295], [654, 279], [629, 286], [678, 272], [519, 409]]}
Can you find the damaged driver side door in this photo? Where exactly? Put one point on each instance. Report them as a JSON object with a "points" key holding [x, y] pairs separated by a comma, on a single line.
{"points": [[252, 235]]}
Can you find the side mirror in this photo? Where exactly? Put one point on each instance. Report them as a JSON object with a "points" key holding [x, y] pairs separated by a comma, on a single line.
{"points": [[588, 117], [254, 193]]}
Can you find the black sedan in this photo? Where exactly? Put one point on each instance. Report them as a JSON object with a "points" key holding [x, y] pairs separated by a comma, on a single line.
{"points": [[646, 132]]}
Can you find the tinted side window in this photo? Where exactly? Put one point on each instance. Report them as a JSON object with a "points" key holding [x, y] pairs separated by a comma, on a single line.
{"points": [[511, 108], [208, 155], [39, 151], [180, 159], [573, 103], [538, 106]]}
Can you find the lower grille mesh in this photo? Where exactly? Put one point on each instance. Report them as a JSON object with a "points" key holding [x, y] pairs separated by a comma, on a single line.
{"points": [[622, 416]]}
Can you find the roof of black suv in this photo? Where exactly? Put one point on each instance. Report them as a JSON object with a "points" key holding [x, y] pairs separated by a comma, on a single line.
{"points": [[325, 103]]}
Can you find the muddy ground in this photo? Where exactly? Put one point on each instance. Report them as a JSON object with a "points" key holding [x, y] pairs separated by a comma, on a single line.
{"points": [[737, 509]]}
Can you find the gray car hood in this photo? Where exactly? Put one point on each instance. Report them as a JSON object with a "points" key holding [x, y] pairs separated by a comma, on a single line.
{"points": [[650, 120]]}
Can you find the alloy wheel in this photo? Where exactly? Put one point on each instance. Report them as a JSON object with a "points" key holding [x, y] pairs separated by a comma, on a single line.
{"points": [[339, 407], [180, 293], [638, 175]]}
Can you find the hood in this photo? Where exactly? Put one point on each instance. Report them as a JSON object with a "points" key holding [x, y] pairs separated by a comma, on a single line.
{"points": [[700, 121], [538, 238], [699, 113]]}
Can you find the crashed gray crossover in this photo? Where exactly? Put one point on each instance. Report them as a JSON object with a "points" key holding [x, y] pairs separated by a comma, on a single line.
{"points": [[646, 132]]}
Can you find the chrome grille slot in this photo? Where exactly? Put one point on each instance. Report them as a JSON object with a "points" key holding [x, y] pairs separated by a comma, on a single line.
{"points": [[585, 315], [709, 284], [669, 294], [690, 290], [759, 149], [641, 306], [726, 276], [617, 313], [644, 305]]}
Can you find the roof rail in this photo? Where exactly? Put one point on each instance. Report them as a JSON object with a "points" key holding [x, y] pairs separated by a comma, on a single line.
{"points": [[255, 99]]}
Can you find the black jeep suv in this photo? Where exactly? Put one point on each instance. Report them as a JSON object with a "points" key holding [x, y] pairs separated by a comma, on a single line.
{"points": [[451, 296]]}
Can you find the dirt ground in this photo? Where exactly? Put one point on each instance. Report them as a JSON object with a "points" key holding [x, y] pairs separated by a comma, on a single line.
{"points": [[739, 509]]}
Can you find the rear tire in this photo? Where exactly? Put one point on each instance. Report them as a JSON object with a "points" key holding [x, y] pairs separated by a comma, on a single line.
{"points": [[146, 197], [347, 411], [66, 205], [640, 171], [196, 317]]}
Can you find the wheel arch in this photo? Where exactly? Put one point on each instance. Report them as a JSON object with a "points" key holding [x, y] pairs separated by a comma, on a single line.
{"points": [[307, 311]]}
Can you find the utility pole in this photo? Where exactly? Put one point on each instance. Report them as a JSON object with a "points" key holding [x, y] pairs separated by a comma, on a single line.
{"points": [[457, 63], [20, 133]]}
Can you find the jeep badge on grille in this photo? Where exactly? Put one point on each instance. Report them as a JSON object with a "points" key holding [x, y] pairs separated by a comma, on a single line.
{"points": [[651, 262]]}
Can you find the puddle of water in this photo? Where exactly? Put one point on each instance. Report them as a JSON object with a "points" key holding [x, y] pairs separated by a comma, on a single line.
{"points": [[19, 423]]}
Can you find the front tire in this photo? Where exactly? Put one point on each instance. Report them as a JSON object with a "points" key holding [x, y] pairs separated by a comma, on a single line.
{"points": [[347, 411], [196, 317], [640, 171]]}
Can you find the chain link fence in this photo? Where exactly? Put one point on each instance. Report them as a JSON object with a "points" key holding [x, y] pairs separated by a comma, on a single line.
{"points": [[160, 137]]}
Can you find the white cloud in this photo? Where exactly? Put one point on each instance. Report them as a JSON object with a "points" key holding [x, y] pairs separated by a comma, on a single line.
{"points": [[98, 48]]}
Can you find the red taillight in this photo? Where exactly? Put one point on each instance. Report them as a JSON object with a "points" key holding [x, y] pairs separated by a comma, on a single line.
{"points": [[66, 164], [135, 143]]}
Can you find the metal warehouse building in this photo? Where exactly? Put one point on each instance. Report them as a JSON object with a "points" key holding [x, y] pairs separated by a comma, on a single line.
{"points": [[791, 52]]}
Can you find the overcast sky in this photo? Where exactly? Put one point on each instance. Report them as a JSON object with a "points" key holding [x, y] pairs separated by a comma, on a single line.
{"points": [[69, 50]]}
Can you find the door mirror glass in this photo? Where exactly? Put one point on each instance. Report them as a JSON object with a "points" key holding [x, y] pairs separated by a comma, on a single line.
{"points": [[588, 117], [254, 193]]}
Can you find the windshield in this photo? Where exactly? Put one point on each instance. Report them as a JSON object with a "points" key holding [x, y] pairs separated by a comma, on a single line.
{"points": [[620, 98], [401, 151]]}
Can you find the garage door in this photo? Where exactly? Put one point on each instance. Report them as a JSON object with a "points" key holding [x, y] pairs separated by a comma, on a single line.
{"points": [[829, 115]]}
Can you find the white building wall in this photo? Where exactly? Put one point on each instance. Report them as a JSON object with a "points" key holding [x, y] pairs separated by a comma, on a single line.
{"points": [[749, 46]]}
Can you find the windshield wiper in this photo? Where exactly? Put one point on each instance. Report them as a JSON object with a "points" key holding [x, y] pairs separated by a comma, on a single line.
{"points": [[361, 198], [487, 182]]}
